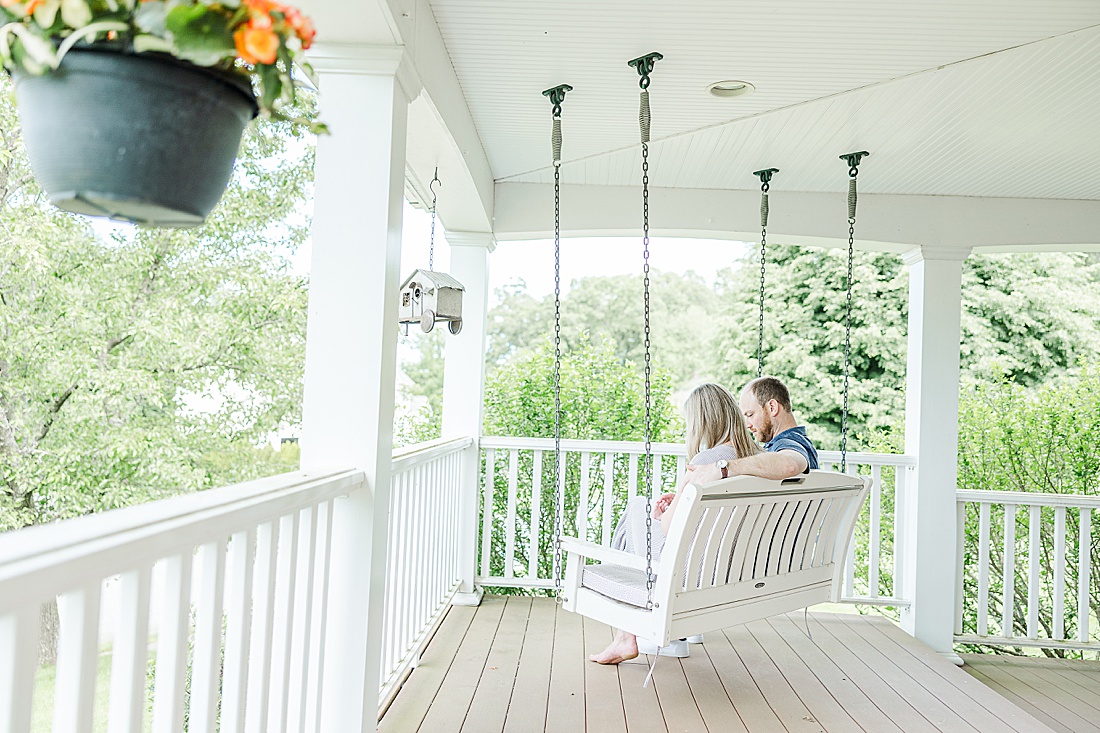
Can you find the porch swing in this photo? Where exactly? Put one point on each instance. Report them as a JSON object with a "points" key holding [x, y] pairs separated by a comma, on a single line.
{"points": [[738, 550]]}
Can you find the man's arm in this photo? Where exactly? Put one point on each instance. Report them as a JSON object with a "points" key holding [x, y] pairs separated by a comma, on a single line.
{"points": [[779, 465]]}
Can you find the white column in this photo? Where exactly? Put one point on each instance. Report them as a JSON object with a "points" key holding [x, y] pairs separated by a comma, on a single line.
{"points": [[351, 349], [464, 388], [928, 549]]}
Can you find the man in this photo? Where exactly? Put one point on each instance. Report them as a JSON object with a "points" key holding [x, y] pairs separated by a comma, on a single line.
{"points": [[766, 405]]}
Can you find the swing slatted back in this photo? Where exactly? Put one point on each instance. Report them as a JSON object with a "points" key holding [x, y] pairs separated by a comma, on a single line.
{"points": [[747, 548]]}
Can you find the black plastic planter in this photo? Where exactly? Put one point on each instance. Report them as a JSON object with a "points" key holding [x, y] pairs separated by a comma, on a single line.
{"points": [[135, 137]]}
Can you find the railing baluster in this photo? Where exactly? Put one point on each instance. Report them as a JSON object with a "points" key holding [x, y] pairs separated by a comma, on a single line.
{"points": [[608, 496], [130, 654], [960, 544], [632, 477], [1008, 573], [536, 516], [510, 522], [168, 687], [1059, 615], [1084, 550], [983, 568], [263, 613], [206, 667], [656, 490], [487, 511], [582, 500], [283, 620], [1033, 571], [19, 631], [901, 476], [316, 671], [238, 626], [875, 539], [303, 620], [77, 657]]}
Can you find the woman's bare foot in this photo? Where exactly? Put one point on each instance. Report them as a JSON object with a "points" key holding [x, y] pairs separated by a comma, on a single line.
{"points": [[623, 647]]}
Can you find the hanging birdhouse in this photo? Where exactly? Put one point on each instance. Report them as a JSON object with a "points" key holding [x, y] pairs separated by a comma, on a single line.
{"points": [[428, 297]]}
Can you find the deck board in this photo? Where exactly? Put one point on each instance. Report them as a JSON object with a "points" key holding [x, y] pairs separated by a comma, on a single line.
{"points": [[520, 665], [1061, 693]]}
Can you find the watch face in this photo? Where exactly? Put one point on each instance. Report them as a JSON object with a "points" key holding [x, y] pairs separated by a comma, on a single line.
{"points": [[722, 463]]}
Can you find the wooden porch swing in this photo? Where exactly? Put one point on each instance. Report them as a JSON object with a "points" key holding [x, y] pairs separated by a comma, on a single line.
{"points": [[739, 549]]}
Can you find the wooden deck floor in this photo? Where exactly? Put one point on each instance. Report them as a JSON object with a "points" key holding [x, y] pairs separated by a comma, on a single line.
{"points": [[1062, 693], [519, 664]]}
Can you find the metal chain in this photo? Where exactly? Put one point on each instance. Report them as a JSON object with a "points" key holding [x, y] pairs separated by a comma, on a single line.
{"points": [[648, 472], [763, 261], [852, 173], [431, 246], [559, 512], [557, 96]]}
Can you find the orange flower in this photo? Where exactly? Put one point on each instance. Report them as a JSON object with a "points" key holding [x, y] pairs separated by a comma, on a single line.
{"points": [[256, 45], [306, 32]]}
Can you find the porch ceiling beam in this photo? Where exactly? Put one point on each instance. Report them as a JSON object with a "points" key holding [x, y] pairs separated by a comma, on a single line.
{"points": [[441, 131], [891, 223]]}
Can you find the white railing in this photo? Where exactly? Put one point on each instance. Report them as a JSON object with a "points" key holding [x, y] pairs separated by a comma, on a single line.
{"points": [[519, 506], [251, 559], [1048, 606], [423, 571]]}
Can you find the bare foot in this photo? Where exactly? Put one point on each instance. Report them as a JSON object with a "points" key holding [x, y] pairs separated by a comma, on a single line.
{"points": [[622, 648]]}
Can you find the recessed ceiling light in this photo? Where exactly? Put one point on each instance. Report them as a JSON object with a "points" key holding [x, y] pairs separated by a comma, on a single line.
{"points": [[730, 88]]}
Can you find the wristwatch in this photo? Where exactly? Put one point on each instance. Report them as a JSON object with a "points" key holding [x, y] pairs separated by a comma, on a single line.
{"points": [[724, 465]]}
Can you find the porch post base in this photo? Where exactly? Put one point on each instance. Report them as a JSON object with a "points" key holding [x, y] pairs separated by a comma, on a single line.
{"points": [[474, 599], [952, 657]]}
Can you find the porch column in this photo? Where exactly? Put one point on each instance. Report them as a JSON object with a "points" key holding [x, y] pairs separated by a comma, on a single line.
{"points": [[351, 349], [464, 389], [928, 551]]}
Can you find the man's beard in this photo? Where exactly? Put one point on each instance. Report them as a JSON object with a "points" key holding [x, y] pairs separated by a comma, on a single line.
{"points": [[767, 429]]}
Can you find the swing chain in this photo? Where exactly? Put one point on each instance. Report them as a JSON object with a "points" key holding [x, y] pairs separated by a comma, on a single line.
{"points": [[852, 159], [644, 65], [765, 177], [431, 241], [557, 95]]}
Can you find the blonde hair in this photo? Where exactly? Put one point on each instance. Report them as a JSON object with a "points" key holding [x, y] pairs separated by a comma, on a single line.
{"points": [[713, 418]]}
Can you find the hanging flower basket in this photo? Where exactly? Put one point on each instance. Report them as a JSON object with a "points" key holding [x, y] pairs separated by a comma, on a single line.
{"points": [[138, 137], [135, 110]]}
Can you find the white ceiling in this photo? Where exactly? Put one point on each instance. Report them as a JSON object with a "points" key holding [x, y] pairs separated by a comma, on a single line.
{"points": [[990, 98]]}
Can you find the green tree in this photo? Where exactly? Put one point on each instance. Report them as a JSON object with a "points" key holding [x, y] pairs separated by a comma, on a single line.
{"points": [[1035, 440], [1013, 327], [131, 364], [602, 399], [611, 308]]}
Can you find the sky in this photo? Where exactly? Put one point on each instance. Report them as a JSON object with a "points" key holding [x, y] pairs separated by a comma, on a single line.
{"points": [[533, 261]]}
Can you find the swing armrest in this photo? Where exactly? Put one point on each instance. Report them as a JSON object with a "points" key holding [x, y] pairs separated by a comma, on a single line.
{"points": [[591, 550]]}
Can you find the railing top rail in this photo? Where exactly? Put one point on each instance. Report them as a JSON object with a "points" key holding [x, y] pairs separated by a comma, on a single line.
{"points": [[36, 561], [676, 449], [421, 453], [1026, 498]]}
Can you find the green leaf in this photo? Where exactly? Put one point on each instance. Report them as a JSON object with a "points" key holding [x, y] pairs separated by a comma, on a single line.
{"points": [[146, 43], [152, 17], [202, 35], [46, 13], [76, 13]]}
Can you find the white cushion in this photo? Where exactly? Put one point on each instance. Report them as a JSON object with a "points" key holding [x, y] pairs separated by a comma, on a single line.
{"points": [[614, 581]]}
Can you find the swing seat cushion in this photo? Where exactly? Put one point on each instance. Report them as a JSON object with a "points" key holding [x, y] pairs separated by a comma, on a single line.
{"points": [[626, 585]]}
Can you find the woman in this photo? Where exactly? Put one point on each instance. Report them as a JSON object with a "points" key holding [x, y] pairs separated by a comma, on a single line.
{"points": [[715, 431]]}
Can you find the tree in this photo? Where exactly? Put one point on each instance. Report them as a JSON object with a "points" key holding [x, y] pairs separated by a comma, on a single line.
{"points": [[612, 308], [602, 399], [1011, 328], [130, 363], [1036, 440]]}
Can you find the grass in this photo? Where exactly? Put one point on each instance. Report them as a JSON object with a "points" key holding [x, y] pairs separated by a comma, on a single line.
{"points": [[43, 706]]}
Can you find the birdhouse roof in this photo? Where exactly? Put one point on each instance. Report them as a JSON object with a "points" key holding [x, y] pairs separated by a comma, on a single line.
{"points": [[438, 279]]}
